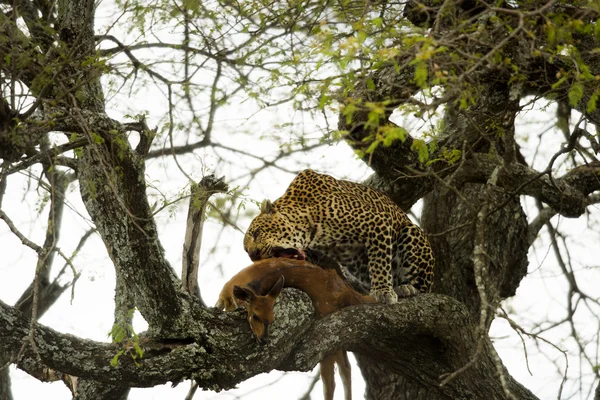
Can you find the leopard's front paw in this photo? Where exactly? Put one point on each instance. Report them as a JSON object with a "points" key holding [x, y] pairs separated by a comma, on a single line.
{"points": [[406, 291], [385, 296]]}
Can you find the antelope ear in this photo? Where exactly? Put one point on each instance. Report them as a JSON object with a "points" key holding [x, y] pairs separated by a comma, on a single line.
{"points": [[276, 289], [266, 207], [243, 294]]}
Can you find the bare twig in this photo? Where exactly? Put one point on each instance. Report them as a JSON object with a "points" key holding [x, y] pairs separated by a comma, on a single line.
{"points": [[306, 396], [520, 331], [35, 247]]}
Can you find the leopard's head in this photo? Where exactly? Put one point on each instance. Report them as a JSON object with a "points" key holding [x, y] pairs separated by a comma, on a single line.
{"points": [[271, 234]]}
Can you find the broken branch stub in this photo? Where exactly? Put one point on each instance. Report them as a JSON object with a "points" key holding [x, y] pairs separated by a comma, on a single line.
{"points": [[200, 193]]}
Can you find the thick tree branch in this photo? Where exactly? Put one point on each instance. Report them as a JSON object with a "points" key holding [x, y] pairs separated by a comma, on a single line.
{"points": [[114, 188], [114, 191], [567, 194], [546, 215], [5, 383], [218, 358], [427, 324], [435, 331]]}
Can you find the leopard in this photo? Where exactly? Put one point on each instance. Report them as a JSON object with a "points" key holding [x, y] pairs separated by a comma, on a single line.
{"points": [[356, 225]]}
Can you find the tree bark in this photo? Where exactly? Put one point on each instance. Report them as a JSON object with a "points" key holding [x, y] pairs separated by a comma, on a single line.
{"points": [[93, 390], [5, 385], [436, 338]]}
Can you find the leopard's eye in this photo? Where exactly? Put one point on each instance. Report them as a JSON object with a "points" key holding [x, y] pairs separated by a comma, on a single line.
{"points": [[255, 234]]}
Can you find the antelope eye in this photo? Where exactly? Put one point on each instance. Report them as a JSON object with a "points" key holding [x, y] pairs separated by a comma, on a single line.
{"points": [[255, 317]]}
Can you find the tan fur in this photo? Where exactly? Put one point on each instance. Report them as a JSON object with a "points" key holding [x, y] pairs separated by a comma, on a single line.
{"points": [[327, 290]]}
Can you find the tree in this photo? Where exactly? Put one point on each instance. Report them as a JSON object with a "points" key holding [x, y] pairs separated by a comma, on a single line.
{"points": [[462, 71]]}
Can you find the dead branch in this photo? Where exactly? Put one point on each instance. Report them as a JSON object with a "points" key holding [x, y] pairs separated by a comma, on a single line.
{"points": [[200, 193]]}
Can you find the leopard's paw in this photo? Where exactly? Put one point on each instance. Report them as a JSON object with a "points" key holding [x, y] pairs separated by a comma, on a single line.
{"points": [[406, 291], [385, 296]]}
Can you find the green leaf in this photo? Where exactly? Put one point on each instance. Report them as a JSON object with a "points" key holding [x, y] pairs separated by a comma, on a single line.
{"points": [[339, 134], [422, 149], [324, 100], [348, 112], [591, 104], [372, 147], [550, 33], [115, 359], [393, 134], [362, 36], [372, 119], [559, 82], [377, 22], [575, 93], [370, 84], [452, 156], [421, 74], [97, 138]]}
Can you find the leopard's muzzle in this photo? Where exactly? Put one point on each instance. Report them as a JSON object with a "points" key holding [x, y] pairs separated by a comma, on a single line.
{"points": [[293, 253]]}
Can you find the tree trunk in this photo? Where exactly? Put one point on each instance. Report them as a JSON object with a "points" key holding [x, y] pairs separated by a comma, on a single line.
{"points": [[390, 386], [477, 230], [5, 387]]}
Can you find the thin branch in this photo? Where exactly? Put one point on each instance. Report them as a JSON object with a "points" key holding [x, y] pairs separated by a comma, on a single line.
{"points": [[517, 328], [38, 249], [313, 381], [178, 150]]}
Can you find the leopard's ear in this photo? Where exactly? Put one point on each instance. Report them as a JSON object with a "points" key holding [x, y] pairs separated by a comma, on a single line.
{"points": [[266, 207]]}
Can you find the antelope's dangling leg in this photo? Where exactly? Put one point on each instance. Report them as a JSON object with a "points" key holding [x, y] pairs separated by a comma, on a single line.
{"points": [[327, 376], [344, 368]]}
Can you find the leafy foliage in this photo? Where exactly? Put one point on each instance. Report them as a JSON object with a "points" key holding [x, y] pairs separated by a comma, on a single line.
{"points": [[123, 333]]}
